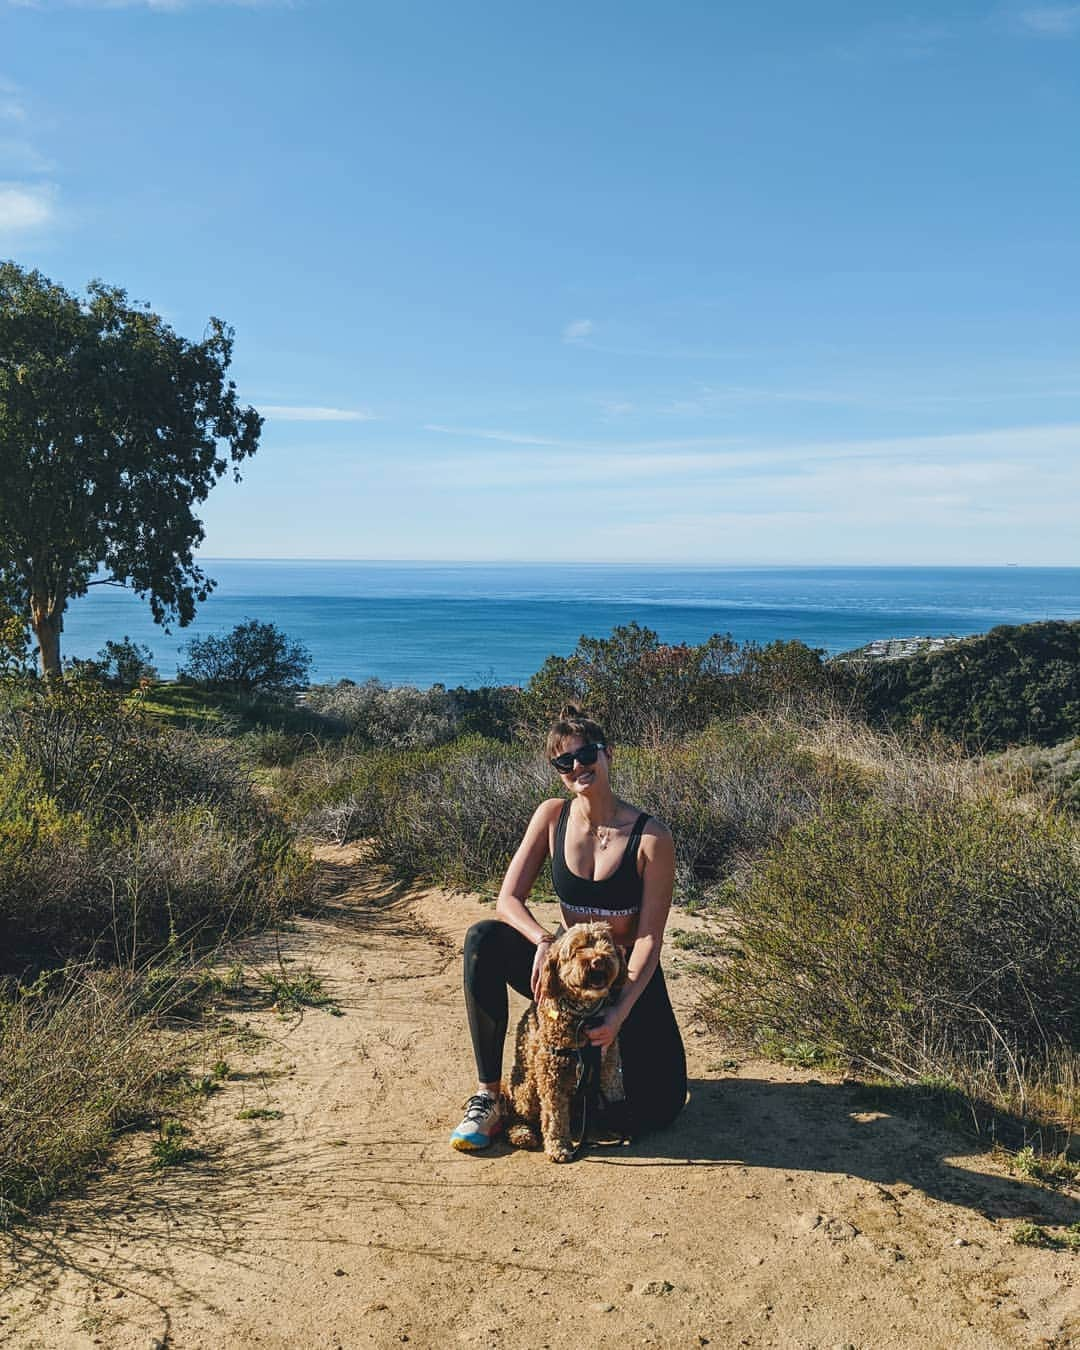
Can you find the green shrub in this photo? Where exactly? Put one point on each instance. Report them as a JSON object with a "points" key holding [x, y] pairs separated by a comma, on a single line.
{"points": [[644, 691], [270, 747], [1053, 771], [923, 941], [1011, 686], [254, 657], [117, 838], [454, 814], [388, 717], [95, 753], [120, 665], [186, 876], [403, 717], [729, 793]]}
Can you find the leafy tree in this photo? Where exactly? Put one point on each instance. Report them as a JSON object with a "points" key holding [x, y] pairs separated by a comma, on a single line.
{"points": [[783, 670], [255, 657], [112, 428], [642, 689], [120, 665]]}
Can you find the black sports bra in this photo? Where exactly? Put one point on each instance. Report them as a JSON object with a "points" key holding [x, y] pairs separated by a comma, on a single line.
{"points": [[610, 897]]}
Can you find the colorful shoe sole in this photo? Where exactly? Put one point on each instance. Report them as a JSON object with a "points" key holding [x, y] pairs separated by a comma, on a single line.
{"points": [[469, 1143]]}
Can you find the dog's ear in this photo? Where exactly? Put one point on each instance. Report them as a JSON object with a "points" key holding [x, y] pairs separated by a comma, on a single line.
{"points": [[550, 984]]}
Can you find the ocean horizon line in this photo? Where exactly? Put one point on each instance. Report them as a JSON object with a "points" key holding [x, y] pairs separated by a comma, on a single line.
{"points": [[639, 565]]}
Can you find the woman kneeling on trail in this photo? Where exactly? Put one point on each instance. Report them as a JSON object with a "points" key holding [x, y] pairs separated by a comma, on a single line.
{"points": [[610, 863]]}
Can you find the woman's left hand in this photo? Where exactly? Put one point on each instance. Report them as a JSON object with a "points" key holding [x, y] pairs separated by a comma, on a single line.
{"points": [[605, 1032]]}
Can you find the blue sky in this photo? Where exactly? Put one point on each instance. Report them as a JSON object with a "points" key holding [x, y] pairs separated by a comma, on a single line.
{"points": [[704, 282]]}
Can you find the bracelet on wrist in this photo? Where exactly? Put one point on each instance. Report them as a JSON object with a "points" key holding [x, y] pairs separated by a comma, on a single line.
{"points": [[545, 937]]}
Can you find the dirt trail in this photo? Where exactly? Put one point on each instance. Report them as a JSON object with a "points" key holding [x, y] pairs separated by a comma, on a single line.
{"points": [[774, 1213]]}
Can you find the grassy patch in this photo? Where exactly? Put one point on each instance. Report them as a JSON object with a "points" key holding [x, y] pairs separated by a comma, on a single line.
{"points": [[1049, 1170], [1034, 1235], [184, 707], [169, 1149], [187, 707], [260, 1113], [80, 1060], [303, 990]]}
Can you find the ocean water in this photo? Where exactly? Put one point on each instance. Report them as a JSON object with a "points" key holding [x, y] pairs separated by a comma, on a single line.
{"points": [[481, 623]]}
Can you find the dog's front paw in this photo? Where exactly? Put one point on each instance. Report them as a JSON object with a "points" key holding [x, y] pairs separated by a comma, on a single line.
{"points": [[560, 1150], [523, 1136]]}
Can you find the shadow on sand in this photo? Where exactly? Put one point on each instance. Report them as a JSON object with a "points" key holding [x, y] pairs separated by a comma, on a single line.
{"points": [[838, 1128]]}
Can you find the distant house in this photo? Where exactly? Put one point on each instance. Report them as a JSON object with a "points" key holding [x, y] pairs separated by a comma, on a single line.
{"points": [[896, 649]]}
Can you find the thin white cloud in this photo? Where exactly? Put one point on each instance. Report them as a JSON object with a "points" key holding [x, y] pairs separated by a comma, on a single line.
{"points": [[577, 331], [1061, 439], [920, 478], [1051, 20], [506, 437], [26, 206], [279, 412], [566, 443]]}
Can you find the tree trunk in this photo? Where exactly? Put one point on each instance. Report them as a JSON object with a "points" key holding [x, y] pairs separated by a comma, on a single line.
{"points": [[47, 621]]}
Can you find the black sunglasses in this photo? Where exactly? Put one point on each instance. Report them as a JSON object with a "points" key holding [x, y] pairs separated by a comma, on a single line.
{"points": [[584, 755]]}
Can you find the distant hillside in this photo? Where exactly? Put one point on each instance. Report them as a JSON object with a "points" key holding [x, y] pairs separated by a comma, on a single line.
{"points": [[1012, 686]]}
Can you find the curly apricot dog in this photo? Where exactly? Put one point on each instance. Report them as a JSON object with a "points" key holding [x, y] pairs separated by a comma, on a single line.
{"points": [[583, 972]]}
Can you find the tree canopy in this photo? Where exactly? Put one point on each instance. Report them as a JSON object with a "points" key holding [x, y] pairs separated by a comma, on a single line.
{"points": [[640, 688], [112, 429], [255, 657]]}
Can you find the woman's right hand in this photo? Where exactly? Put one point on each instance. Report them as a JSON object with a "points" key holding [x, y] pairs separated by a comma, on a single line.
{"points": [[542, 949]]}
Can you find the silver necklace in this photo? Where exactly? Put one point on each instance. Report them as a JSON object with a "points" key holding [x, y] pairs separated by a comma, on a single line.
{"points": [[602, 833]]}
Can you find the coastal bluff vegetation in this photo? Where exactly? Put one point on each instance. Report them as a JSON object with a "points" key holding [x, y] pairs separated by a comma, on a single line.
{"points": [[202, 881], [891, 900]]}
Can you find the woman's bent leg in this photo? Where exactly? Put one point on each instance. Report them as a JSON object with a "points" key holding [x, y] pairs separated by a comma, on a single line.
{"points": [[496, 955], [653, 1059]]}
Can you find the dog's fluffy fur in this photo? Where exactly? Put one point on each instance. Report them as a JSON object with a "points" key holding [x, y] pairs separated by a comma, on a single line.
{"points": [[583, 972]]}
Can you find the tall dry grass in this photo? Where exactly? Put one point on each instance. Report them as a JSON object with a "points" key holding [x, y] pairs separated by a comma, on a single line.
{"points": [[125, 850], [81, 1057]]}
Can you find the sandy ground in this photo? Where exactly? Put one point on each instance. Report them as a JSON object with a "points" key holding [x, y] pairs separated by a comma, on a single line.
{"points": [[774, 1213]]}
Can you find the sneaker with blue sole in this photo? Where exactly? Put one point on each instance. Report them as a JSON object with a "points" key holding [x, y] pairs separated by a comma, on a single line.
{"points": [[485, 1116]]}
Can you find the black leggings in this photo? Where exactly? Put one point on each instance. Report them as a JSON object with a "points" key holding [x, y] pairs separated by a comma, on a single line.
{"points": [[653, 1059]]}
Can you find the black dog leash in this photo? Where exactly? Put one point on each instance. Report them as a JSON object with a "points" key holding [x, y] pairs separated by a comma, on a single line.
{"points": [[586, 1092]]}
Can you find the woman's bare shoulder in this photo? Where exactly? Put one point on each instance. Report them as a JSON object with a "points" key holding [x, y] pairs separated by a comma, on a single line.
{"points": [[548, 811], [655, 829]]}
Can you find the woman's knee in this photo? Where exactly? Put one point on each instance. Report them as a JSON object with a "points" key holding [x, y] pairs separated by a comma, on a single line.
{"points": [[484, 955], [481, 934]]}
